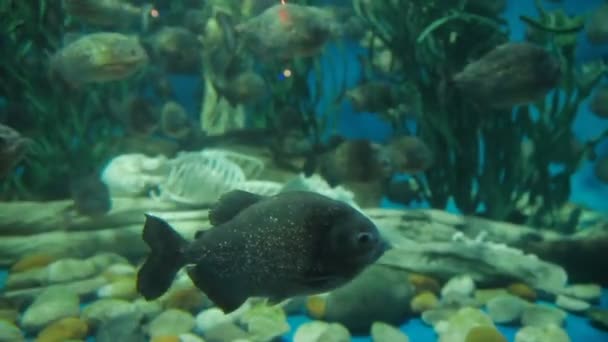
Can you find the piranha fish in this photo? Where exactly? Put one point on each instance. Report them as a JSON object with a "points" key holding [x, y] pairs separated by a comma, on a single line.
{"points": [[285, 31], [596, 28], [12, 149], [410, 154], [136, 113], [99, 57], [91, 196], [244, 88], [290, 244], [357, 160], [174, 120], [109, 14], [509, 75], [176, 49], [373, 97]]}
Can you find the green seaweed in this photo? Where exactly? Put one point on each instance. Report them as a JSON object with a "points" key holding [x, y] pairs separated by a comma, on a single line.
{"points": [[483, 159], [71, 131]]}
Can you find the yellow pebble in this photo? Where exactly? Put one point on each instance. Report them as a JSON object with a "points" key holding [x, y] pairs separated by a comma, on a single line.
{"points": [[316, 306], [188, 299], [424, 283], [522, 290], [70, 328], [9, 315], [121, 289], [483, 296], [116, 277], [165, 339], [32, 261], [484, 333], [423, 302]]}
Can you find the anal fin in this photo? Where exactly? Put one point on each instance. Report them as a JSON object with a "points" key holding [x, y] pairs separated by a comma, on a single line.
{"points": [[225, 294]]}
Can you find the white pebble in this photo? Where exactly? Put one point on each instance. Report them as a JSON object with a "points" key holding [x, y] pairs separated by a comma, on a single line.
{"points": [[461, 286], [210, 318]]}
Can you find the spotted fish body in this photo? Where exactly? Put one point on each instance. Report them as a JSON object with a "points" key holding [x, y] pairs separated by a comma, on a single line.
{"points": [[290, 244]]}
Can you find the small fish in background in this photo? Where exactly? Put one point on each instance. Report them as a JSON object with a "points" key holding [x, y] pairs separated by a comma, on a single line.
{"points": [[599, 102], [509, 75], [294, 243], [174, 121], [403, 191], [176, 49], [13, 147], [137, 114], [91, 196], [244, 88], [195, 20], [373, 96], [163, 87], [286, 31], [596, 28], [409, 154], [98, 57], [110, 14], [357, 160]]}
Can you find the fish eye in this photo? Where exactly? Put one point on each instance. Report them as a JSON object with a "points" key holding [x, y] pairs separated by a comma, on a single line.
{"points": [[364, 238]]}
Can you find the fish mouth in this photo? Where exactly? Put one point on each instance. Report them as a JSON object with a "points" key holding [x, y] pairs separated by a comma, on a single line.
{"points": [[383, 246], [122, 65]]}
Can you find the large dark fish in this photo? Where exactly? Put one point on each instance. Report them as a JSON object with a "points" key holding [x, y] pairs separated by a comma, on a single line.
{"points": [[294, 243]]}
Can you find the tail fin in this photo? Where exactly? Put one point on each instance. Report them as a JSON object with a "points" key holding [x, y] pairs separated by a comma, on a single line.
{"points": [[165, 259]]}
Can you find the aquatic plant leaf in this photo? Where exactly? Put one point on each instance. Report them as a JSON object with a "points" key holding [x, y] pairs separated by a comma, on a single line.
{"points": [[25, 49], [42, 11]]}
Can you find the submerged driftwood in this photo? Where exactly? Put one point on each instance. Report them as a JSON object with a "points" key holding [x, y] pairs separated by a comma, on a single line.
{"points": [[426, 241]]}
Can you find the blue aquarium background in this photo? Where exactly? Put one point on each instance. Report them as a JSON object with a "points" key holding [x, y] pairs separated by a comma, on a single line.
{"points": [[339, 62]]}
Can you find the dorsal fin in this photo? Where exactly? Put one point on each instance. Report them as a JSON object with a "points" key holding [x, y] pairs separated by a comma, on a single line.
{"points": [[230, 204]]}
